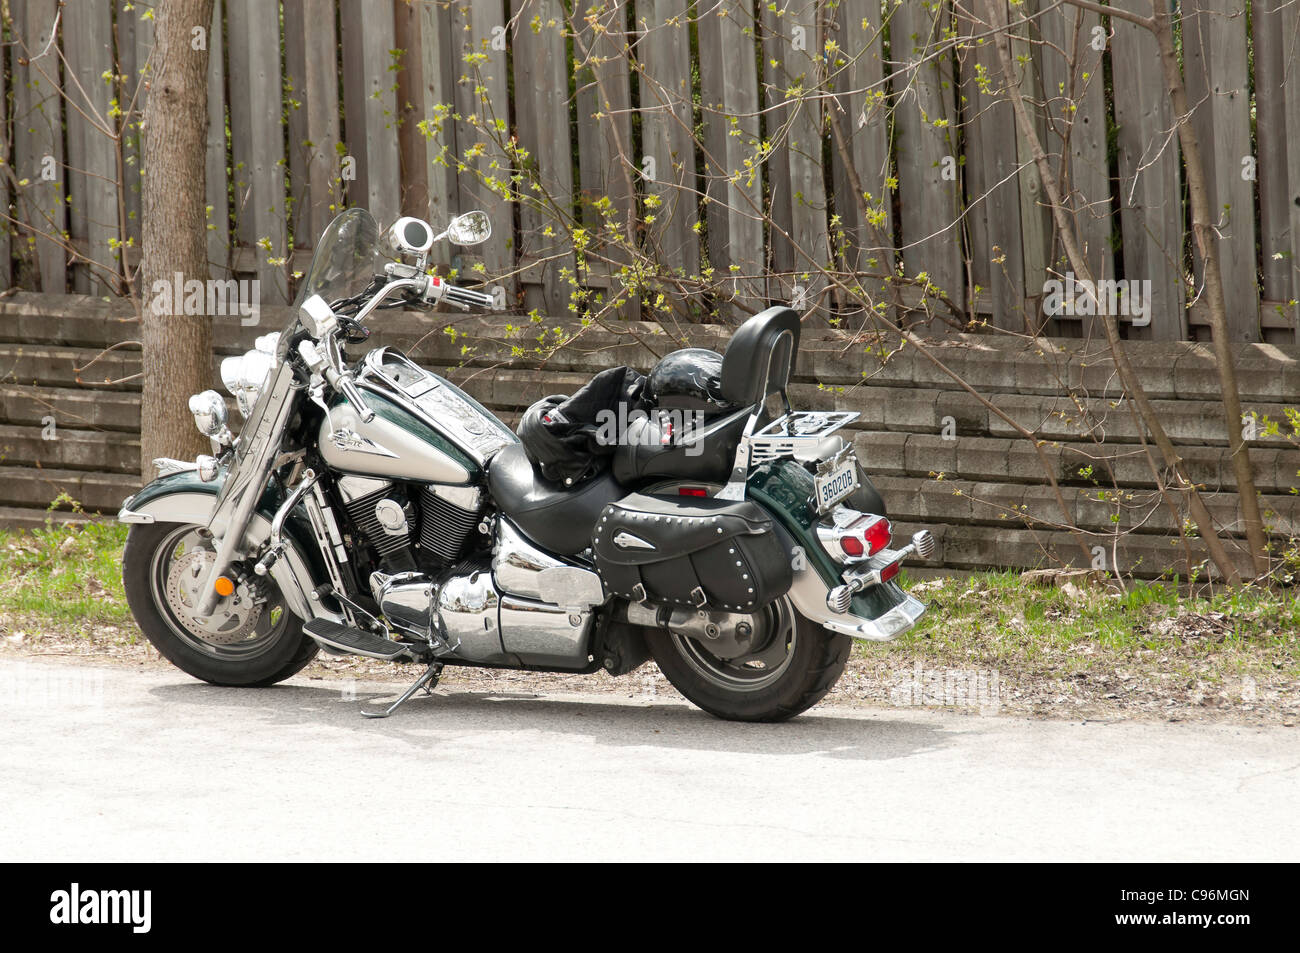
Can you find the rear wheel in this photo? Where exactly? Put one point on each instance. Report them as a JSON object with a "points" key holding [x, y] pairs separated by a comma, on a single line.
{"points": [[791, 670], [252, 638]]}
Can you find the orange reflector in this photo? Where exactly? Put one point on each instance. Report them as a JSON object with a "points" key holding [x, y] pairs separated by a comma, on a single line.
{"points": [[224, 585]]}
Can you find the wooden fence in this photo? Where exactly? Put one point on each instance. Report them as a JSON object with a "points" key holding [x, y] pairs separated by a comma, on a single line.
{"points": [[705, 126]]}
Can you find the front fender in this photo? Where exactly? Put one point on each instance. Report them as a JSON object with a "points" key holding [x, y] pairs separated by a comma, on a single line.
{"points": [[183, 498]]}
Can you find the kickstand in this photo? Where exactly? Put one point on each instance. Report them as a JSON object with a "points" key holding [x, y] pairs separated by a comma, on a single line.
{"points": [[426, 681]]}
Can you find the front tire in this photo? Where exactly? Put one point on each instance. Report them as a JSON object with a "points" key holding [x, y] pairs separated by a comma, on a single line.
{"points": [[250, 650], [791, 682]]}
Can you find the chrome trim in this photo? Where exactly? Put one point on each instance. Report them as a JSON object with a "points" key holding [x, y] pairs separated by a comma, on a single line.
{"points": [[437, 402], [883, 628], [545, 634], [521, 569], [128, 515], [355, 487], [468, 498], [829, 536], [166, 466], [838, 599], [276, 543], [468, 611], [237, 501], [625, 540]]}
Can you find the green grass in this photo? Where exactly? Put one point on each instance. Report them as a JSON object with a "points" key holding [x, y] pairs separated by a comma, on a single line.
{"points": [[997, 618], [65, 572]]}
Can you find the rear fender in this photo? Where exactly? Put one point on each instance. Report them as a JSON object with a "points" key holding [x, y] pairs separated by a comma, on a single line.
{"points": [[184, 498], [877, 614]]}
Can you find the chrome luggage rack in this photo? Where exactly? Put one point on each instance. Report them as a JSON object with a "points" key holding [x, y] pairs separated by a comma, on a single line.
{"points": [[790, 434], [796, 431]]}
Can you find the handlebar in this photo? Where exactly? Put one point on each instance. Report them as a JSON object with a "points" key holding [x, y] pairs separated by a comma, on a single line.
{"points": [[330, 365], [466, 297]]}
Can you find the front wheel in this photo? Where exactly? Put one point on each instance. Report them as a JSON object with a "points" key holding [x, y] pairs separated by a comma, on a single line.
{"points": [[252, 638], [787, 672]]}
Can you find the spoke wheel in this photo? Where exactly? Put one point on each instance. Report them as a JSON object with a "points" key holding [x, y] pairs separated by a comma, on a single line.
{"points": [[251, 639], [789, 672]]}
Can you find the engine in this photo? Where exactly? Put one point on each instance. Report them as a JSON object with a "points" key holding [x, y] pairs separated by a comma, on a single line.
{"points": [[412, 528]]}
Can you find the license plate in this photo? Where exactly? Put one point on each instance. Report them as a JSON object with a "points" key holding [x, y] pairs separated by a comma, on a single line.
{"points": [[836, 483]]}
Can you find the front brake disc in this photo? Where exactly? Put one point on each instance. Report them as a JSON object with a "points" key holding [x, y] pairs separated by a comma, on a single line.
{"points": [[231, 621]]}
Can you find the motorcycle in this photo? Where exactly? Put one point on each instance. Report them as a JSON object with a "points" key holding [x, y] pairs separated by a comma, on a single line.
{"points": [[372, 508]]}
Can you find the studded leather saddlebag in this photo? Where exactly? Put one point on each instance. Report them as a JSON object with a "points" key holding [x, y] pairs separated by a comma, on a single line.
{"points": [[687, 551]]}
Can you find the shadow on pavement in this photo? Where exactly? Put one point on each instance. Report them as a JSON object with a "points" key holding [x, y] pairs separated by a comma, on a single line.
{"points": [[422, 721]]}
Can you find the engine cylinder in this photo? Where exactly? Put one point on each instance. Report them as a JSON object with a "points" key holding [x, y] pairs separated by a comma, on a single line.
{"points": [[448, 514]]}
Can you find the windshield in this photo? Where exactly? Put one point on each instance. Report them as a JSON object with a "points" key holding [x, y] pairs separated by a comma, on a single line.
{"points": [[344, 263]]}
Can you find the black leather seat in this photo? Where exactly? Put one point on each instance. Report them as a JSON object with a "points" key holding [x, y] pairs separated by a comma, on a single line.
{"points": [[559, 519]]}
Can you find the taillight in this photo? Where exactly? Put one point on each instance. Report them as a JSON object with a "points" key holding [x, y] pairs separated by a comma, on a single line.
{"points": [[855, 536], [877, 535], [692, 491]]}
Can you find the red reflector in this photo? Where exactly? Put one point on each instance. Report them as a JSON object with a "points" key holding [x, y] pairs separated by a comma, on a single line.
{"points": [[877, 535], [692, 491], [890, 571], [851, 545]]}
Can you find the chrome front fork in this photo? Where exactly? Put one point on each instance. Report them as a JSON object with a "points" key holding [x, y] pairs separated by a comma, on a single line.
{"points": [[246, 481]]}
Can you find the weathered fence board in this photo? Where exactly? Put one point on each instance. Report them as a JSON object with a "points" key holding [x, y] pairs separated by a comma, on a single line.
{"points": [[604, 139], [1074, 86], [664, 56], [1151, 210], [311, 72], [733, 180], [1218, 89], [1273, 70], [257, 139], [864, 119], [993, 167], [482, 102], [92, 179], [370, 107], [604, 99], [541, 90], [425, 92], [794, 45], [217, 180], [925, 115]]}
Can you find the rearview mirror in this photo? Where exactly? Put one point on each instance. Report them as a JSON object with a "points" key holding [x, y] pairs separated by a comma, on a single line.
{"points": [[472, 228]]}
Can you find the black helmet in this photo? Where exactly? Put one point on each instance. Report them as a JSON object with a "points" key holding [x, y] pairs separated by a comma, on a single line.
{"points": [[690, 378]]}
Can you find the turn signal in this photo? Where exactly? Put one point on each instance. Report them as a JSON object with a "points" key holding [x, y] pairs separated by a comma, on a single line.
{"points": [[224, 585]]}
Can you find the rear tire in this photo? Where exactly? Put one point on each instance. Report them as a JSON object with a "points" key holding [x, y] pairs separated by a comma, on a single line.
{"points": [[813, 664], [274, 650]]}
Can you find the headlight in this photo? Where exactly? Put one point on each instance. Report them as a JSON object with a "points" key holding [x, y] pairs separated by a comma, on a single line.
{"points": [[209, 410], [245, 376]]}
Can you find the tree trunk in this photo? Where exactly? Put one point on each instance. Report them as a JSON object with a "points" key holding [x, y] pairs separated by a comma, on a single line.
{"points": [[1207, 246], [177, 346]]}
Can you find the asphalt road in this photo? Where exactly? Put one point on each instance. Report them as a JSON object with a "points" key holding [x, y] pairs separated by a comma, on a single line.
{"points": [[119, 764]]}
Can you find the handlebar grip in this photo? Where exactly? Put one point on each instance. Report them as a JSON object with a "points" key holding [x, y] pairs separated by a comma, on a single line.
{"points": [[465, 296], [353, 394]]}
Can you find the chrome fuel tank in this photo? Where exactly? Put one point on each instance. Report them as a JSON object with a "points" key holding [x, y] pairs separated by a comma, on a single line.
{"points": [[461, 420], [395, 443]]}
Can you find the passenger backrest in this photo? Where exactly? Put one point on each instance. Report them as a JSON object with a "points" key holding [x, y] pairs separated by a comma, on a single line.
{"points": [[760, 357]]}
